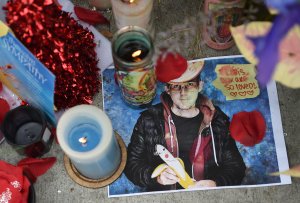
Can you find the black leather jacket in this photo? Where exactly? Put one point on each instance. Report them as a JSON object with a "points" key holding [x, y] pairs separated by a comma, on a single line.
{"points": [[149, 131]]}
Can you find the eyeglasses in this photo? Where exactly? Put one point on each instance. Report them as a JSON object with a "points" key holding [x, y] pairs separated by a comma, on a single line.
{"points": [[187, 86]]}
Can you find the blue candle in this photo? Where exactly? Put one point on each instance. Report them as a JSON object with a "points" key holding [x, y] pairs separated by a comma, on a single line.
{"points": [[85, 134]]}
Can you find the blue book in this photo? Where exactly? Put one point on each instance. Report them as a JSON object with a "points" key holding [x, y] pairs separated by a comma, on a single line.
{"points": [[25, 75]]}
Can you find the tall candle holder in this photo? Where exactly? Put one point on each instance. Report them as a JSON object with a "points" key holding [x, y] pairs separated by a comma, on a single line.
{"points": [[94, 155], [134, 13], [132, 50]]}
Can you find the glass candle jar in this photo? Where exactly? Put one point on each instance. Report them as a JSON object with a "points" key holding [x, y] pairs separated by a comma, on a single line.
{"points": [[221, 14], [132, 50], [135, 13], [26, 129]]}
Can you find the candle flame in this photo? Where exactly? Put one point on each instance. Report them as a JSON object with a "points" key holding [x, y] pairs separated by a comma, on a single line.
{"points": [[83, 140], [136, 53]]}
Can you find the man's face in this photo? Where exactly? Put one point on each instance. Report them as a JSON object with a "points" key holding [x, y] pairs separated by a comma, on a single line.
{"points": [[183, 95]]}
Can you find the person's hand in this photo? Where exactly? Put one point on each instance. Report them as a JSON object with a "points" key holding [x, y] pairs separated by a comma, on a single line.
{"points": [[203, 183], [167, 177]]}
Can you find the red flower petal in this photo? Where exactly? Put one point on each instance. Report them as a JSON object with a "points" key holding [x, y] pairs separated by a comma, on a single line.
{"points": [[248, 128], [1, 87], [4, 108], [170, 67], [89, 16]]}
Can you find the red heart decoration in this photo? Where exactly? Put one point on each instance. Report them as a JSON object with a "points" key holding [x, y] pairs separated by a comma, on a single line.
{"points": [[170, 67], [248, 128]]}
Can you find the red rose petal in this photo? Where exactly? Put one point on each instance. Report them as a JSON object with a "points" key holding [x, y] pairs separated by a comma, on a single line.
{"points": [[89, 16], [170, 67], [248, 128], [4, 108]]}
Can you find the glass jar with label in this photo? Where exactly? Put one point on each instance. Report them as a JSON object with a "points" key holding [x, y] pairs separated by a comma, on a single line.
{"points": [[132, 50], [221, 15]]}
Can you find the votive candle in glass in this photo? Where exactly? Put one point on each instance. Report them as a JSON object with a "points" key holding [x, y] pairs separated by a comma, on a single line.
{"points": [[132, 50], [221, 15], [133, 12]]}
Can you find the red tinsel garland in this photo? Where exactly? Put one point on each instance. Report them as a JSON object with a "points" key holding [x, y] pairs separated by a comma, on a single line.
{"points": [[61, 44]]}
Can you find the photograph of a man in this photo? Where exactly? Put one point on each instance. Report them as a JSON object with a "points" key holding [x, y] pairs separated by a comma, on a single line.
{"points": [[191, 128]]}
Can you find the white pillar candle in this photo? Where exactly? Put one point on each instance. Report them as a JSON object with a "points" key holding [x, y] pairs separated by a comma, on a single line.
{"points": [[100, 4], [85, 134], [132, 12]]}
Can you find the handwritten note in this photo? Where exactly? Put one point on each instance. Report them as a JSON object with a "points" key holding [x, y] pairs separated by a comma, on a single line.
{"points": [[237, 81]]}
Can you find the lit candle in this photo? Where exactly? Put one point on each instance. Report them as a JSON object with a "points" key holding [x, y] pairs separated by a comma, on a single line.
{"points": [[133, 12], [132, 50], [101, 4], [85, 134]]}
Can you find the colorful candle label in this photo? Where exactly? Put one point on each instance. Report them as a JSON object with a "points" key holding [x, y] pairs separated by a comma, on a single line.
{"points": [[138, 86], [221, 15], [237, 81], [24, 74]]}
